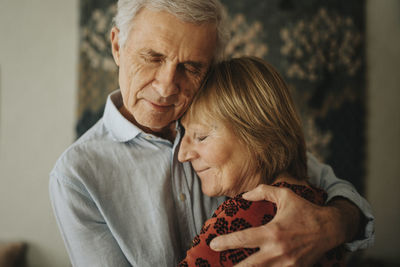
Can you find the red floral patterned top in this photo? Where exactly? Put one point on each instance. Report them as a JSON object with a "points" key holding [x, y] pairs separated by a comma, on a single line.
{"points": [[237, 214]]}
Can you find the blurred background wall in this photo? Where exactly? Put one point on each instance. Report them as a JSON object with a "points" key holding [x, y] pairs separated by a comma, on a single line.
{"points": [[38, 88], [383, 164], [38, 65]]}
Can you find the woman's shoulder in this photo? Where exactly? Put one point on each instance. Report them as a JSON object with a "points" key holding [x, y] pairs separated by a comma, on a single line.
{"points": [[307, 191], [238, 213]]}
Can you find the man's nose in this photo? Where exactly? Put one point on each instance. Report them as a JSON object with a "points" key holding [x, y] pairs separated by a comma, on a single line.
{"points": [[166, 82], [186, 152]]}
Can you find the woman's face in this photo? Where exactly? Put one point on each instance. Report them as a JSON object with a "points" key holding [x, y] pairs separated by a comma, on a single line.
{"points": [[220, 160]]}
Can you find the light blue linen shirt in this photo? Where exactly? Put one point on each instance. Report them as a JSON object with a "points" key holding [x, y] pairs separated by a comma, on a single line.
{"points": [[121, 198]]}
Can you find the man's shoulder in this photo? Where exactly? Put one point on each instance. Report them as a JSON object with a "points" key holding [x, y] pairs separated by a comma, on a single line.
{"points": [[86, 148]]}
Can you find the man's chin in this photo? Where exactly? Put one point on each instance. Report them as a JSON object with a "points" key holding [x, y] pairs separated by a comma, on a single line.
{"points": [[164, 130], [160, 128], [153, 126]]}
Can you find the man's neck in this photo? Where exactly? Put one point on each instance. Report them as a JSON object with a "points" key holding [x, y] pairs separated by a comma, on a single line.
{"points": [[168, 132]]}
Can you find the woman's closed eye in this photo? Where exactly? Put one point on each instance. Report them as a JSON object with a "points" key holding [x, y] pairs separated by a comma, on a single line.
{"points": [[201, 138]]}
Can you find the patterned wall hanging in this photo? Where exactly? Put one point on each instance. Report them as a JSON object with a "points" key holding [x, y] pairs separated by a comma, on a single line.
{"points": [[318, 46]]}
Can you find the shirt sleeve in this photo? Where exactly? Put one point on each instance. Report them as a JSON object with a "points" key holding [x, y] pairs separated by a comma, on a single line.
{"points": [[88, 239], [322, 176]]}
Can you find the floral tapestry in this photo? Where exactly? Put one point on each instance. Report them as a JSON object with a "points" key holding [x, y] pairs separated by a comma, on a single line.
{"points": [[318, 46]]}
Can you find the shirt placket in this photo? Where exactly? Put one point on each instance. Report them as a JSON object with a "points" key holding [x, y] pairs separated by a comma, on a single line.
{"points": [[183, 199]]}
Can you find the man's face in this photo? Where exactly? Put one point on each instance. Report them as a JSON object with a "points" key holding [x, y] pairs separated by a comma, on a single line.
{"points": [[161, 66]]}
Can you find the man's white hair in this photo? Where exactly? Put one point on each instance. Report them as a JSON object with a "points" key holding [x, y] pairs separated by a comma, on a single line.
{"points": [[192, 11]]}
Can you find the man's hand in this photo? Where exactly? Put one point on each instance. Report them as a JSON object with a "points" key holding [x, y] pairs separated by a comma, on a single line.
{"points": [[299, 234]]}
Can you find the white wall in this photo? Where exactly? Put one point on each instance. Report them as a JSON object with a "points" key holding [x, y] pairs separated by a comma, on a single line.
{"points": [[38, 64], [38, 78], [383, 183]]}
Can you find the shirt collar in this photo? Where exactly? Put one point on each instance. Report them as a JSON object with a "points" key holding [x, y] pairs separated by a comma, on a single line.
{"points": [[120, 128]]}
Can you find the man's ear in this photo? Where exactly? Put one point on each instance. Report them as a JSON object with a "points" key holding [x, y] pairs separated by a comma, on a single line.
{"points": [[115, 48]]}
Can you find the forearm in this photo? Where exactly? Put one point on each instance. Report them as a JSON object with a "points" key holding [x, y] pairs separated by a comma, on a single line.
{"points": [[359, 225], [347, 220]]}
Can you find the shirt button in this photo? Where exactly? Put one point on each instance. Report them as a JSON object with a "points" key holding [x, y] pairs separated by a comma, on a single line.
{"points": [[182, 197], [149, 137]]}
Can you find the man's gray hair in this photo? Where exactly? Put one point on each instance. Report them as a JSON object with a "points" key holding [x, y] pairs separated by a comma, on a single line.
{"points": [[192, 11]]}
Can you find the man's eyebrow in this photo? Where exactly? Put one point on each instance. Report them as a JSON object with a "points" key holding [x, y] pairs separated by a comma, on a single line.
{"points": [[151, 52]]}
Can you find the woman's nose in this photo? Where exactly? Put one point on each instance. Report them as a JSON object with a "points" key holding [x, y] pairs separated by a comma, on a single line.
{"points": [[186, 152]]}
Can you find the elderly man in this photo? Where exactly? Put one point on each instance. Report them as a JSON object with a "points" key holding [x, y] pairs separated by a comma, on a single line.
{"points": [[119, 194]]}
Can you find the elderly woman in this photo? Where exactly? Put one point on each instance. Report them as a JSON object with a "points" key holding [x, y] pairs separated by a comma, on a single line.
{"points": [[242, 130]]}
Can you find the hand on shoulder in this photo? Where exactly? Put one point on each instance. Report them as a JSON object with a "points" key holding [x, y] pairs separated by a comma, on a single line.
{"points": [[300, 233]]}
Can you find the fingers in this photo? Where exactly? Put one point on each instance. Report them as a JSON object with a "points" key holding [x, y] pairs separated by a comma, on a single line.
{"points": [[263, 192], [255, 260], [249, 238], [260, 259], [267, 256]]}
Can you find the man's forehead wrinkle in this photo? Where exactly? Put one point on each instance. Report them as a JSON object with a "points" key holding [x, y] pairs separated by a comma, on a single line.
{"points": [[172, 56], [153, 53], [185, 47], [184, 52]]}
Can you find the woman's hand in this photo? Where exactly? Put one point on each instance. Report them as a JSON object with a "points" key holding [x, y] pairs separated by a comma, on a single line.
{"points": [[300, 233]]}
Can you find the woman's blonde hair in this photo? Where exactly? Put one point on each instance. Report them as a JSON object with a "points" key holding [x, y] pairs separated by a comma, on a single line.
{"points": [[249, 96]]}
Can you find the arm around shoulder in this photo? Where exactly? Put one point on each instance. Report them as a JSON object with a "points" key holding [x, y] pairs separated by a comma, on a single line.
{"points": [[351, 214]]}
